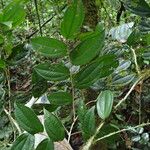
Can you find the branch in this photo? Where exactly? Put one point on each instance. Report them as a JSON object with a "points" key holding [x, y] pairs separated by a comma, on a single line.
{"points": [[123, 130]]}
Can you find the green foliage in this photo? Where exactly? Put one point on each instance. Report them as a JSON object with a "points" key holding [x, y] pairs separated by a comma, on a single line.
{"points": [[49, 47], [46, 144], [104, 104], [73, 20], [53, 127], [25, 117], [55, 72], [60, 98], [24, 141]]}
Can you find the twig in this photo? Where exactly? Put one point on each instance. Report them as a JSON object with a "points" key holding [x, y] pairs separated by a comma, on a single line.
{"points": [[135, 61], [38, 16], [129, 92], [13, 121], [113, 133], [69, 134], [90, 141]]}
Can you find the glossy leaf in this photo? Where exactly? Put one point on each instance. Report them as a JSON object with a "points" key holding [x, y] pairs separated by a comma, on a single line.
{"points": [[55, 72], [24, 142], [88, 48], [88, 125], [49, 47], [53, 127], [27, 119], [46, 144], [104, 104], [100, 68], [60, 98], [73, 19]]}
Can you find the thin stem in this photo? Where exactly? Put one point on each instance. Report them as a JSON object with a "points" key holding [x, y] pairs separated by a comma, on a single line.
{"points": [[135, 61], [38, 16], [69, 134], [13, 121], [90, 141], [113, 133], [129, 92]]}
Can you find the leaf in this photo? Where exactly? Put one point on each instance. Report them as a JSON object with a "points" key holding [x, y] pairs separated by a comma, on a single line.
{"points": [[122, 80], [55, 72], [46, 144], [53, 127], [27, 119], [81, 110], [88, 125], [100, 68], [24, 142], [14, 12], [2, 64], [39, 85], [73, 19], [138, 7], [49, 47], [60, 98], [88, 48], [1, 39], [104, 104]]}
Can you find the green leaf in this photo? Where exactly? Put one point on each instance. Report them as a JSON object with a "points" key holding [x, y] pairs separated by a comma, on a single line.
{"points": [[54, 72], [2, 64], [73, 19], [46, 144], [27, 119], [1, 39], [81, 111], [24, 142], [88, 48], [100, 68], [14, 12], [49, 47], [88, 125], [60, 98], [53, 127], [104, 104], [39, 85], [138, 7]]}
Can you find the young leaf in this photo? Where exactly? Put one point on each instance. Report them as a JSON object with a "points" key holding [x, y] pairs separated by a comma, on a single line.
{"points": [[53, 127], [88, 48], [104, 104], [73, 19], [55, 72], [49, 47], [46, 144], [2, 64], [100, 68], [60, 98], [27, 119], [88, 125], [15, 13], [24, 142]]}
